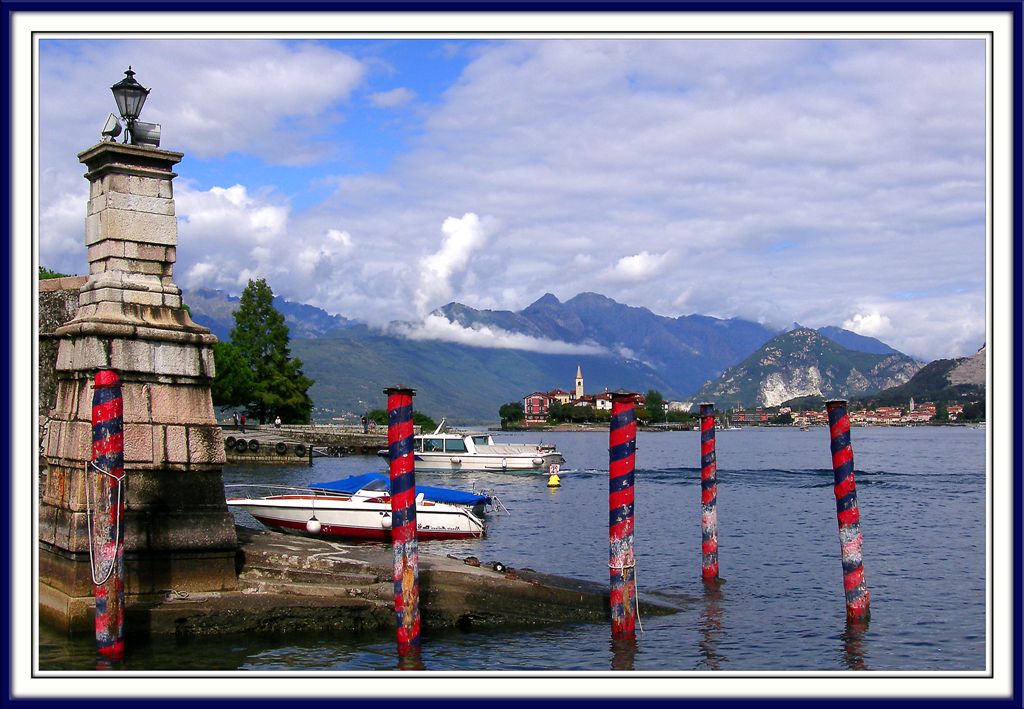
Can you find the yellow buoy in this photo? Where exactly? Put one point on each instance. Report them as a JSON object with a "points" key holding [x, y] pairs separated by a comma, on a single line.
{"points": [[553, 480]]}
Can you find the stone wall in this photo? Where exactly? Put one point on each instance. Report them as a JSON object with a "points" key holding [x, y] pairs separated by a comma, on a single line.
{"points": [[58, 303]]}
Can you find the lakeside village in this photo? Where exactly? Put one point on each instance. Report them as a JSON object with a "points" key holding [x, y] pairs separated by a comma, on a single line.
{"points": [[558, 406]]}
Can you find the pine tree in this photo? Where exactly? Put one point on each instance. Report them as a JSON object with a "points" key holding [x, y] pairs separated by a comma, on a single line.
{"points": [[260, 335]]}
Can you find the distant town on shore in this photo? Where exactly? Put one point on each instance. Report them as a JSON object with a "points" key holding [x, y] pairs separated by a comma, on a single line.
{"points": [[559, 407]]}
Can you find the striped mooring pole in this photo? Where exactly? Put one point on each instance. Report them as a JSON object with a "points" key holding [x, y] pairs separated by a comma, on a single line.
{"points": [[858, 600], [622, 562], [106, 536], [708, 495], [403, 518]]}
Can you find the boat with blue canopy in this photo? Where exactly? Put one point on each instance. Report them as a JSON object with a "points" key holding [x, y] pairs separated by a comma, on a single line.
{"points": [[475, 501]]}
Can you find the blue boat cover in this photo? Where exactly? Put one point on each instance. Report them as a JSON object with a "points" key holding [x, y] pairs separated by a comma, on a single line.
{"points": [[434, 494]]}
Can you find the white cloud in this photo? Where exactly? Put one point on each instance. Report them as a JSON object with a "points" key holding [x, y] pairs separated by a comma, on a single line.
{"points": [[871, 324], [462, 237], [393, 98], [736, 176], [438, 327], [638, 267]]}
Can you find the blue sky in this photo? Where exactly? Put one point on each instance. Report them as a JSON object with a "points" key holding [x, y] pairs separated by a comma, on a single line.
{"points": [[821, 181]]}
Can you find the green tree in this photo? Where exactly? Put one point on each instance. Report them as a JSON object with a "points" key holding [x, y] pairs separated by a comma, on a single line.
{"points": [[426, 423], [46, 274], [654, 404], [973, 411], [233, 382], [511, 412], [261, 336], [941, 412]]}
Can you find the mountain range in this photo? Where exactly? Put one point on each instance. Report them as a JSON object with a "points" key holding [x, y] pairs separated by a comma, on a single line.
{"points": [[806, 363], [631, 347]]}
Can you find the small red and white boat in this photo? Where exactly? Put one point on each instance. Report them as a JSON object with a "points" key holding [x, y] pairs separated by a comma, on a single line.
{"points": [[365, 514]]}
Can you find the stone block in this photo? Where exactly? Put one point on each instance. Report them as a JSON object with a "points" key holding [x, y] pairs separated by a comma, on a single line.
{"points": [[136, 402], [89, 353], [67, 397], [47, 521], [76, 440], [53, 438], [55, 488], [132, 203], [138, 185], [149, 268], [138, 443], [93, 229], [148, 252], [205, 445], [178, 404], [125, 225], [172, 301], [132, 356], [83, 400], [177, 444], [65, 353], [173, 359], [100, 295], [108, 248], [142, 297], [207, 363]]}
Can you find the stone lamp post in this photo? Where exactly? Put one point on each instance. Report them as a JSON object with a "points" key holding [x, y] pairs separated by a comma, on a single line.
{"points": [[179, 535]]}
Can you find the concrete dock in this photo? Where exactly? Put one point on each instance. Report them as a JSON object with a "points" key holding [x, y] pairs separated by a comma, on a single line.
{"points": [[297, 584]]}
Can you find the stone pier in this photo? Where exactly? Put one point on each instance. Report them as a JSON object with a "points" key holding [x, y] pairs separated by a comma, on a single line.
{"points": [[179, 534]]}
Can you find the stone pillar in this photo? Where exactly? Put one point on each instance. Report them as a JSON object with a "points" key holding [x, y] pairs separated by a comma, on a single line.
{"points": [[179, 534]]}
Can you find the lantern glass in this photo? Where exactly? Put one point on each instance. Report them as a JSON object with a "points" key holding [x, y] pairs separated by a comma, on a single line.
{"points": [[129, 95]]}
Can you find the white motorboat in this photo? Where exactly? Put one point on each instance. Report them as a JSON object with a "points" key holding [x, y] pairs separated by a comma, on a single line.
{"points": [[441, 451], [365, 514]]}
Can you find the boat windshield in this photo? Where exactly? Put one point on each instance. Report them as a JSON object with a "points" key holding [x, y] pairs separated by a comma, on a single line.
{"points": [[376, 486], [433, 444], [455, 445], [482, 440]]}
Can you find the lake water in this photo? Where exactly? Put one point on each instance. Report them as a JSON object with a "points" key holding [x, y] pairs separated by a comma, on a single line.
{"points": [[922, 495]]}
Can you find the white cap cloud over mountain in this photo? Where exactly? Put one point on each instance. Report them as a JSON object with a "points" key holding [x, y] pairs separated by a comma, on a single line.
{"points": [[871, 324], [438, 327]]}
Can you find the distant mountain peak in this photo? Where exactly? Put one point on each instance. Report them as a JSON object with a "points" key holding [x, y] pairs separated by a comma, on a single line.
{"points": [[546, 299], [803, 362]]}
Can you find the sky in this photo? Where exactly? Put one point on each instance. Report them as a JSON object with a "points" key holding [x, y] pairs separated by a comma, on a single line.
{"points": [[827, 182]]}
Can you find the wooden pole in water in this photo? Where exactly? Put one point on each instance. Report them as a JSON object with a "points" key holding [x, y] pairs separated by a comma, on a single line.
{"points": [[708, 494], [403, 518], [105, 485], [858, 600], [622, 561]]}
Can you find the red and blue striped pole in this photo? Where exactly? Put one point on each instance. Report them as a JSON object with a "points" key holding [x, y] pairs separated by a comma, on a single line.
{"points": [[858, 600], [403, 518], [708, 494], [108, 534], [622, 562]]}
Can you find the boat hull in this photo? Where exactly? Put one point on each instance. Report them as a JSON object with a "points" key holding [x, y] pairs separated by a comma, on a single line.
{"points": [[532, 462], [353, 518]]}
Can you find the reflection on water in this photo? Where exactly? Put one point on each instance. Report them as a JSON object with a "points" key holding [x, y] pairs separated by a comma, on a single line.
{"points": [[710, 626], [623, 652], [411, 659], [853, 644]]}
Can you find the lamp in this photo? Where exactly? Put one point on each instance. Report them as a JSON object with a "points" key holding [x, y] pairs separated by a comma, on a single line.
{"points": [[130, 96]]}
